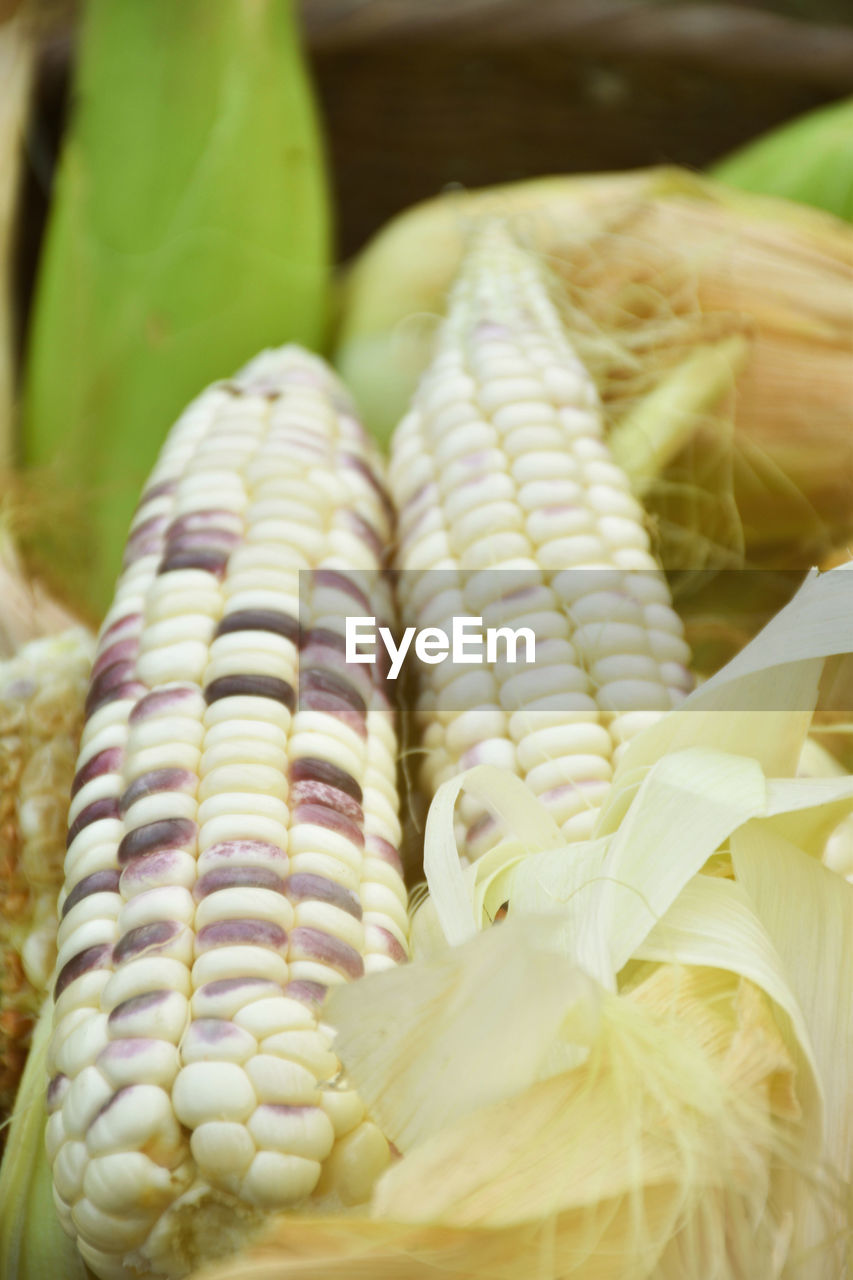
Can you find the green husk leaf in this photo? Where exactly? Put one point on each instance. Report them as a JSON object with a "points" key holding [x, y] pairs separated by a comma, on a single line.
{"points": [[809, 159], [189, 229], [651, 434], [33, 1245]]}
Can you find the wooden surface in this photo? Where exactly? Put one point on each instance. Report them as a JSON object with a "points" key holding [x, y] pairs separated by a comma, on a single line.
{"points": [[419, 95]]}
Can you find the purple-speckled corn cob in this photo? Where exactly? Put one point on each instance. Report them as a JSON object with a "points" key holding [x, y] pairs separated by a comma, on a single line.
{"points": [[233, 837], [512, 509]]}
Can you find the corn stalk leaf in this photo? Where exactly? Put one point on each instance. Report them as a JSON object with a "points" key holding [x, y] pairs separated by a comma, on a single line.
{"points": [[189, 229]]}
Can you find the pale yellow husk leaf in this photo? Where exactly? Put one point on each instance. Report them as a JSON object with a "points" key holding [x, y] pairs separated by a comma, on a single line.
{"points": [[661, 1030]]}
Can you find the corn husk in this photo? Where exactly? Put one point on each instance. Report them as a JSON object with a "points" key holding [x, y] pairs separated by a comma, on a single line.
{"points": [[42, 691], [644, 1072], [26, 1185], [809, 159], [733, 312], [189, 228]]}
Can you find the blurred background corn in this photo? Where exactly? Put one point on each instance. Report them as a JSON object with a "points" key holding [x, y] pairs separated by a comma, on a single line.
{"points": [[232, 848], [512, 509], [42, 690]]}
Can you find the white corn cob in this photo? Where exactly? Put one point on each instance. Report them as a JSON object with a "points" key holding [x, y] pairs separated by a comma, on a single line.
{"points": [[232, 848], [501, 464], [41, 714]]}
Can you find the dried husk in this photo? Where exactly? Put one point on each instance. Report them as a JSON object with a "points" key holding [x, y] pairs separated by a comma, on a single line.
{"points": [[673, 1102], [660, 265]]}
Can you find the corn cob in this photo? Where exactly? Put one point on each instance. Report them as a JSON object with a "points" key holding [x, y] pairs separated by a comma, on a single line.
{"points": [[501, 464], [232, 848], [41, 714]]}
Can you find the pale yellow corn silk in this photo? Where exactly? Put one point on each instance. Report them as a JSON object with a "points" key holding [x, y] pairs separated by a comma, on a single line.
{"points": [[673, 1100], [42, 692], [716, 327]]}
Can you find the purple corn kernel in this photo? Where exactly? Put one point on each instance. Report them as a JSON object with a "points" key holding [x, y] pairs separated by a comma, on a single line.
{"points": [[333, 705], [146, 938], [163, 701], [312, 769], [306, 887], [241, 686], [120, 651], [129, 622], [364, 530], [256, 933], [217, 519], [390, 945], [145, 1003], [316, 944], [311, 993], [355, 463], [131, 689], [211, 561], [153, 870], [238, 877], [155, 781], [318, 815], [125, 1049], [153, 546], [97, 882], [254, 853], [56, 1091], [119, 1093], [160, 490], [379, 847], [332, 665], [220, 541], [237, 992], [103, 686], [335, 580], [107, 761], [215, 1031], [97, 811], [323, 681], [322, 794], [322, 638], [279, 623], [168, 833], [153, 526], [97, 957]]}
